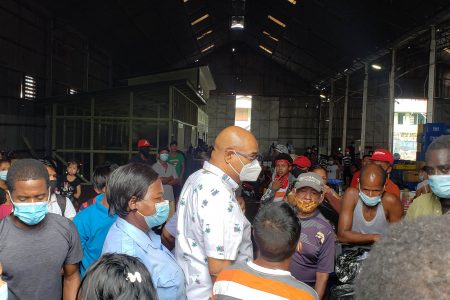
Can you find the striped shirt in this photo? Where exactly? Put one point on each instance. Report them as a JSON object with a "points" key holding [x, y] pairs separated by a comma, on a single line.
{"points": [[251, 281]]}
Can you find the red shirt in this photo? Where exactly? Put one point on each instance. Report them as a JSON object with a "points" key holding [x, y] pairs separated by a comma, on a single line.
{"points": [[5, 210], [391, 187]]}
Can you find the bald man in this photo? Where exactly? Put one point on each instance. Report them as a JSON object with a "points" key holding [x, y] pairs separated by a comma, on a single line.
{"points": [[367, 211], [212, 230]]}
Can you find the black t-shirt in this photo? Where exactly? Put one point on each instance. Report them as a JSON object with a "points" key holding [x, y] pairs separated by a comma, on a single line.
{"points": [[68, 188], [32, 259]]}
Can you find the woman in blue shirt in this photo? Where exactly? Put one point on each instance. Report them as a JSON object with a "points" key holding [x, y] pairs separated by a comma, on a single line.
{"points": [[135, 194]]}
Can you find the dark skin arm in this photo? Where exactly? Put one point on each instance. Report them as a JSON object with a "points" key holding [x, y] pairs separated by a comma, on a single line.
{"points": [[345, 233], [216, 266], [71, 281], [393, 208], [167, 239], [321, 283]]}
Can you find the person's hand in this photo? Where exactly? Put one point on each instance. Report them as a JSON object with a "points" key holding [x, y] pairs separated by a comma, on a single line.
{"points": [[276, 185]]}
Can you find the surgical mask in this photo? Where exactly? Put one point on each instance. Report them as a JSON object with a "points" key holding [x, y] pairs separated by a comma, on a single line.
{"points": [[306, 207], [30, 213], [370, 201], [162, 212], [3, 175], [52, 186], [440, 185], [144, 152], [4, 291], [249, 172], [164, 156]]}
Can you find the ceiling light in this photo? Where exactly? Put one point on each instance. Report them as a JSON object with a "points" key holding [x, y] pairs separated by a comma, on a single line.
{"points": [[207, 48], [199, 19], [290, 1], [233, 49], [323, 96], [275, 20], [203, 35], [185, 1], [447, 50], [237, 22], [270, 36], [376, 67], [196, 60], [265, 49]]}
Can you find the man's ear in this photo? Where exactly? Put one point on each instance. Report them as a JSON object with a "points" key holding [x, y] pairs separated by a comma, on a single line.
{"points": [[132, 203], [299, 247], [228, 155]]}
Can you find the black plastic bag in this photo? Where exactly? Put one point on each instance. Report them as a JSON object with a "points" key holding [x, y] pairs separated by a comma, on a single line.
{"points": [[348, 264]]}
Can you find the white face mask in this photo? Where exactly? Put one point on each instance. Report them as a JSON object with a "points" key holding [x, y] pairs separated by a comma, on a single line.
{"points": [[249, 172]]}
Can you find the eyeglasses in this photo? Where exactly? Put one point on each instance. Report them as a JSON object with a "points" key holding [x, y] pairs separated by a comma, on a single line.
{"points": [[247, 156]]}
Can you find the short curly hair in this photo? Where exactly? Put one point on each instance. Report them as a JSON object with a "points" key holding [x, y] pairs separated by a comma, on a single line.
{"points": [[410, 262]]}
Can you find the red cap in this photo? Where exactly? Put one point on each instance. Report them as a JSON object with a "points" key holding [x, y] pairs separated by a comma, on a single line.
{"points": [[143, 143], [302, 161], [382, 155]]}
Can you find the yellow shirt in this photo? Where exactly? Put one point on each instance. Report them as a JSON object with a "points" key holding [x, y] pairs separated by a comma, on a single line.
{"points": [[425, 205]]}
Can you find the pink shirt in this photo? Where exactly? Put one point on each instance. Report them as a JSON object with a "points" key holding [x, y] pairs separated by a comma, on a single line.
{"points": [[5, 210]]}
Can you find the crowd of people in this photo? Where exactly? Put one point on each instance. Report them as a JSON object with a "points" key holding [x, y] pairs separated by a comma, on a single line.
{"points": [[152, 233]]}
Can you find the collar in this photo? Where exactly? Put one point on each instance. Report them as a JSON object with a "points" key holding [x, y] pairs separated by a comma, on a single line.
{"points": [[144, 240], [219, 173], [258, 268]]}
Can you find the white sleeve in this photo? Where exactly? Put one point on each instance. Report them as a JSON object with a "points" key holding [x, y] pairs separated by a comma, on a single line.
{"points": [[70, 210]]}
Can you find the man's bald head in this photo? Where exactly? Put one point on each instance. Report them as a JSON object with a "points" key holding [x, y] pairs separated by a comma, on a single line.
{"points": [[228, 143], [372, 173], [236, 138]]}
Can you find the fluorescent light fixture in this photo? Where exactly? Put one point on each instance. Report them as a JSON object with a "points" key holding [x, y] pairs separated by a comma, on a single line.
{"points": [[270, 36], [290, 1], [204, 34], [323, 96], [196, 60], [447, 50], [237, 22], [207, 48], [199, 19], [233, 49], [275, 20], [185, 1], [265, 49], [376, 67]]}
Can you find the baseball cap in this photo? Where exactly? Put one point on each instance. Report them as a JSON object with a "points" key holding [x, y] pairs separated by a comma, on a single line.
{"points": [[302, 161], [310, 179], [281, 148], [143, 143], [382, 155]]}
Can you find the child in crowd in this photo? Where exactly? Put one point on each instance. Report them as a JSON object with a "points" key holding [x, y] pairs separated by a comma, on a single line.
{"points": [[70, 185], [94, 221], [117, 276], [282, 180]]}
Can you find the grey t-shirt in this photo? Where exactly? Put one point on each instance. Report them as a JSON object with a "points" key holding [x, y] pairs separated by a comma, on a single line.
{"points": [[32, 259]]}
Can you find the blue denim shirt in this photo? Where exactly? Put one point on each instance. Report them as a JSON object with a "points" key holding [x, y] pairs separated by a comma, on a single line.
{"points": [[167, 276]]}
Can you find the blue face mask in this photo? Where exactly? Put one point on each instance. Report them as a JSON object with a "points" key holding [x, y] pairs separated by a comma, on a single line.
{"points": [[3, 175], [440, 185], [30, 213], [164, 156], [162, 212], [369, 201]]}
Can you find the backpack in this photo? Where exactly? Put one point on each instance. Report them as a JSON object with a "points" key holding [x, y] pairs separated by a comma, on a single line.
{"points": [[62, 201]]}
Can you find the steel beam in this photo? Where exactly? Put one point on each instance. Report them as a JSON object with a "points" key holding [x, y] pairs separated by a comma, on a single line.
{"points": [[364, 110], [344, 125], [330, 119], [431, 75], [391, 101]]}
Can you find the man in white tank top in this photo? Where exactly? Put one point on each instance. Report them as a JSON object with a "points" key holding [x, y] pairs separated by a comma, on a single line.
{"points": [[366, 211]]}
